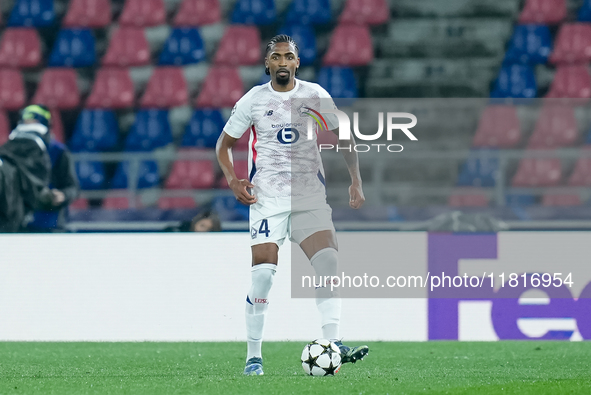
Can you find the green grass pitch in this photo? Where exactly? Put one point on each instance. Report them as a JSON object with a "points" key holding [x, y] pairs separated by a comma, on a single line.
{"points": [[216, 368]]}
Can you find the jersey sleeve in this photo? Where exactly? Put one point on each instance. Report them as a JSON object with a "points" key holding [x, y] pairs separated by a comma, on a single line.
{"points": [[331, 119], [240, 118]]}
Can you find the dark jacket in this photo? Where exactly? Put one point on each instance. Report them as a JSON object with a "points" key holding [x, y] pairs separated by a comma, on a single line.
{"points": [[24, 180], [63, 178]]}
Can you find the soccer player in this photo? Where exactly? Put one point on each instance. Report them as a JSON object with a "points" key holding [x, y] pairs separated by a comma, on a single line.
{"points": [[285, 191]]}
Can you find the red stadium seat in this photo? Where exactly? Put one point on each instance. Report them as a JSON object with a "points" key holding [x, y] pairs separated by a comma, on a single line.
{"points": [[186, 174], [57, 127], [128, 47], [12, 89], [79, 204], [119, 203], [88, 13], [545, 12], [538, 172], [143, 13], [571, 82], [367, 12], [471, 199], [112, 88], [554, 199], [556, 127], [498, 128], [198, 13], [241, 169], [167, 88], [350, 45], [581, 175], [58, 89], [4, 127], [573, 44], [222, 88], [240, 46], [167, 203], [20, 47]]}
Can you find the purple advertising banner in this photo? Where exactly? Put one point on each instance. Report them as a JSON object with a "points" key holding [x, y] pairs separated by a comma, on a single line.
{"points": [[444, 253]]}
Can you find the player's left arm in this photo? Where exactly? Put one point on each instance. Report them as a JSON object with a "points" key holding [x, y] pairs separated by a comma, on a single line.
{"points": [[356, 197]]}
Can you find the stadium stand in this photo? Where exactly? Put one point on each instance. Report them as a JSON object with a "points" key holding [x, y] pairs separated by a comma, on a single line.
{"points": [[498, 127], [581, 174], [556, 127], [198, 13], [584, 14], [549, 12], [530, 44], [184, 46], [115, 202], [468, 199], [147, 175], [315, 12], [350, 45], [573, 44], [95, 131], [305, 37], [480, 170], [366, 12], [191, 175], [57, 127], [533, 172], [554, 199], [515, 81], [73, 48], [128, 47], [20, 47], [4, 127], [167, 203], [203, 129], [222, 88], [58, 88], [167, 88], [240, 46], [91, 175], [104, 54], [339, 82], [12, 89], [150, 130], [254, 12], [571, 82], [112, 88], [38, 13], [143, 13], [88, 13]]}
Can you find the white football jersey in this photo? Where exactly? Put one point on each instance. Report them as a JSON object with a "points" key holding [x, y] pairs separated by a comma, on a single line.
{"points": [[283, 161]]}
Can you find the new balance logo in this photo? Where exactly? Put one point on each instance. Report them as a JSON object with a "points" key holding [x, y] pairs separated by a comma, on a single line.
{"points": [[269, 113]]}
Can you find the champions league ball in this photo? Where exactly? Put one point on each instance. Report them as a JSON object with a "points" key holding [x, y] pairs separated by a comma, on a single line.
{"points": [[321, 358]]}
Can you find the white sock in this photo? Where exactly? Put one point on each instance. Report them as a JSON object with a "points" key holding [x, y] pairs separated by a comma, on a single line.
{"points": [[325, 263], [256, 307]]}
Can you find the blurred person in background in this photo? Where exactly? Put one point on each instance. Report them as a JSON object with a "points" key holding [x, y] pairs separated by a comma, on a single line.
{"points": [[53, 217], [25, 169], [207, 221]]}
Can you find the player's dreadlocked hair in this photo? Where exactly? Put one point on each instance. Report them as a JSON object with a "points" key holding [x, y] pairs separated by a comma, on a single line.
{"points": [[281, 38]]}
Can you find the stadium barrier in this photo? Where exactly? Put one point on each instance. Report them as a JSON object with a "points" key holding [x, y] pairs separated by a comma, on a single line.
{"points": [[188, 287]]}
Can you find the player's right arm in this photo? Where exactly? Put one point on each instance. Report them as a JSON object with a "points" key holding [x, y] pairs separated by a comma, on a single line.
{"points": [[240, 120], [223, 151]]}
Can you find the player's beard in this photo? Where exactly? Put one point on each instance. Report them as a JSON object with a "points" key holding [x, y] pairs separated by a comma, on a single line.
{"points": [[282, 80]]}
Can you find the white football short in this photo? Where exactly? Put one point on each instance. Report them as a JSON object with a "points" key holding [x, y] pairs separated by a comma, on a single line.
{"points": [[274, 219]]}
